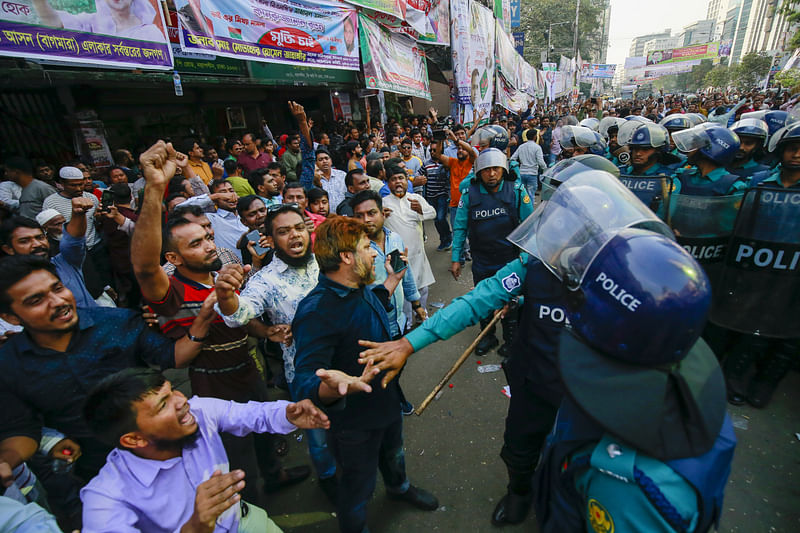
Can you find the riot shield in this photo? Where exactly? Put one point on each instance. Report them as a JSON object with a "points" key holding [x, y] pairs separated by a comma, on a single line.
{"points": [[653, 191], [703, 226], [758, 288]]}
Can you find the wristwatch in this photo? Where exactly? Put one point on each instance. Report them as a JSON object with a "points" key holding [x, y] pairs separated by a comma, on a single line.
{"points": [[196, 339]]}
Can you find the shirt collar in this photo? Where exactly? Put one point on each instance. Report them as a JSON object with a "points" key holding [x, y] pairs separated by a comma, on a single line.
{"points": [[342, 291], [25, 343], [144, 470], [716, 174], [194, 284]]}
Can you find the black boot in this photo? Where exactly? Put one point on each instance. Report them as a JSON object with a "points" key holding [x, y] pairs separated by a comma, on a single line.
{"points": [[763, 385], [738, 366], [489, 342], [514, 506], [509, 331]]}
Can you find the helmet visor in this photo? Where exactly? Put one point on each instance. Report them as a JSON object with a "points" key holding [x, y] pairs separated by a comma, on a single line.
{"points": [[581, 211], [609, 122], [626, 131], [691, 139], [576, 136]]}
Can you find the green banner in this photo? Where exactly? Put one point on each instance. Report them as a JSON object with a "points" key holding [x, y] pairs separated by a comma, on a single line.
{"points": [[281, 74], [220, 66]]}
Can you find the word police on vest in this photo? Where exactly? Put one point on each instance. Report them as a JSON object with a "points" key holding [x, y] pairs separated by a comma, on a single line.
{"points": [[619, 294], [490, 213], [556, 314], [710, 251], [769, 257], [639, 185], [770, 197]]}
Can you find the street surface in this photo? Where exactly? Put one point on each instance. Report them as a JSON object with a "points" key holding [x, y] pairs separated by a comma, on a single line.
{"points": [[453, 449]]}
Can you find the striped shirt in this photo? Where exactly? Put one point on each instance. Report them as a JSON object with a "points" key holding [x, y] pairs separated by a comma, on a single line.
{"points": [[438, 179], [224, 368]]}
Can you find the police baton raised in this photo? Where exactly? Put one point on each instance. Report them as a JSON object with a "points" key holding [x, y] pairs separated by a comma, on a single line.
{"points": [[497, 315]]}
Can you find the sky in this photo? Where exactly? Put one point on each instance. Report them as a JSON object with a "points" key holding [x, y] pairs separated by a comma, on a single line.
{"points": [[631, 18]]}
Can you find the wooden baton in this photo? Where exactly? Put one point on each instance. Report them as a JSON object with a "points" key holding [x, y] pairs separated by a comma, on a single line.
{"points": [[458, 363]]}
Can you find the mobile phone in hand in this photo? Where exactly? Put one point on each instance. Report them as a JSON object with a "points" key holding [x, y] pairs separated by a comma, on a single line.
{"points": [[398, 265], [254, 236]]}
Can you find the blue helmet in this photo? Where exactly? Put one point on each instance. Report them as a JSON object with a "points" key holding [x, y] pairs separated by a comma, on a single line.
{"points": [[696, 118], [492, 136], [775, 119], [711, 140], [636, 133], [642, 298], [751, 127], [784, 136], [676, 122]]}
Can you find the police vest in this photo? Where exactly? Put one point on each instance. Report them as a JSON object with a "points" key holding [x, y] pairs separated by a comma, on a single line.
{"points": [[719, 187], [577, 444], [491, 218], [534, 354], [746, 172]]}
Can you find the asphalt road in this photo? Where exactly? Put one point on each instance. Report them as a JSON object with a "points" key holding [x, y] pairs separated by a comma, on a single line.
{"points": [[453, 448]]}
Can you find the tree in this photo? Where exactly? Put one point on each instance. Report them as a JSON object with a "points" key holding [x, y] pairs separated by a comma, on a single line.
{"points": [[537, 15], [718, 77], [789, 78], [751, 69], [791, 8]]}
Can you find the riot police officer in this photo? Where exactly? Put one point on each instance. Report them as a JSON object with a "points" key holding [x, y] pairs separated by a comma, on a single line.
{"points": [[752, 134], [785, 145], [673, 123], [641, 441], [580, 140], [709, 148], [587, 185], [609, 128], [648, 144], [775, 119], [494, 204]]}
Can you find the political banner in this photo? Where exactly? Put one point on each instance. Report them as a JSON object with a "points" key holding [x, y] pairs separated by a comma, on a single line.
{"points": [[508, 61], [424, 20], [390, 7], [502, 12], [86, 32], [592, 70], [473, 56], [392, 62], [687, 53], [510, 98], [437, 29], [515, 13], [300, 32], [519, 41]]}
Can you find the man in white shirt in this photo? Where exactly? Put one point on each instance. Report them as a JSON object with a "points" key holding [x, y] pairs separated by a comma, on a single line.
{"points": [[331, 179], [531, 162], [408, 212], [225, 221]]}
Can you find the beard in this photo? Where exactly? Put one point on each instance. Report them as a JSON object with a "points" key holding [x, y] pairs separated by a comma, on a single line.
{"points": [[176, 444], [364, 271], [292, 261], [213, 266]]}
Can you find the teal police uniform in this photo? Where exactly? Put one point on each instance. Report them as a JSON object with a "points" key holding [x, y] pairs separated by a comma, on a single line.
{"points": [[771, 178], [749, 169], [718, 182], [656, 170]]}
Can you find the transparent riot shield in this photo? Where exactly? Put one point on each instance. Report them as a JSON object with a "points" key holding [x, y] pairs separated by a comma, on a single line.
{"points": [[703, 226], [758, 288], [653, 191]]}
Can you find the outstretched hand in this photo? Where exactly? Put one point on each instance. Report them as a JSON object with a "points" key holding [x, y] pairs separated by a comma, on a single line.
{"points": [[390, 356], [304, 414], [337, 384]]}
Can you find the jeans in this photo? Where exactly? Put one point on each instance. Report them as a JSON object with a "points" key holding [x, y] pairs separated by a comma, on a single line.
{"points": [[321, 457], [442, 204], [453, 211], [531, 183], [550, 159], [360, 453]]}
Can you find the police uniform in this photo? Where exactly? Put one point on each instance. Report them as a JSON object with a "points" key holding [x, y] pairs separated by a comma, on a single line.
{"points": [[656, 170], [531, 368], [771, 178], [718, 182], [749, 169]]}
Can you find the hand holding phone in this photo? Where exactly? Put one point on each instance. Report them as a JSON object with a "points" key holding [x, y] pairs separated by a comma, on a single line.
{"points": [[396, 261]]}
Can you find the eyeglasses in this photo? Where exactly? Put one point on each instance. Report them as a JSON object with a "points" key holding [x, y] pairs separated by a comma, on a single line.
{"points": [[276, 208]]}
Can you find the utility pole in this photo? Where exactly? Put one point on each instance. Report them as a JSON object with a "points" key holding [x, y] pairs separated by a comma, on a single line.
{"points": [[549, 34], [575, 37]]}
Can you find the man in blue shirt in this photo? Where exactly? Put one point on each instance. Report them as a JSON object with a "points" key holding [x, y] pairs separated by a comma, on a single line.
{"points": [[366, 427], [24, 236], [47, 370]]}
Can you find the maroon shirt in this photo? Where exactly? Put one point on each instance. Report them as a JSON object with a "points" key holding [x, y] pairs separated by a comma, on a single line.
{"points": [[249, 164]]}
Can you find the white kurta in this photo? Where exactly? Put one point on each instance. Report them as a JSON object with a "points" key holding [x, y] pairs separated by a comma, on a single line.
{"points": [[408, 224]]}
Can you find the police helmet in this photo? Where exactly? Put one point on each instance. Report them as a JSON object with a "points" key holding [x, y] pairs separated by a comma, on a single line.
{"points": [[567, 168], [491, 157], [713, 141], [637, 118], [577, 137], [775, 119], [610, 125], [491, 136], [625, 310], [591, 123], [676, 122], [569, 120], [751, 127], [589, 202], [643, 134], [696, 118], [784, 136]]}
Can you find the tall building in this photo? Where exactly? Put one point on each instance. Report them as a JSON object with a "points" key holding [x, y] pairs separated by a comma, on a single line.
{"points": [[698, 32], [661, 43], [761, 27], [637, 44]]}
